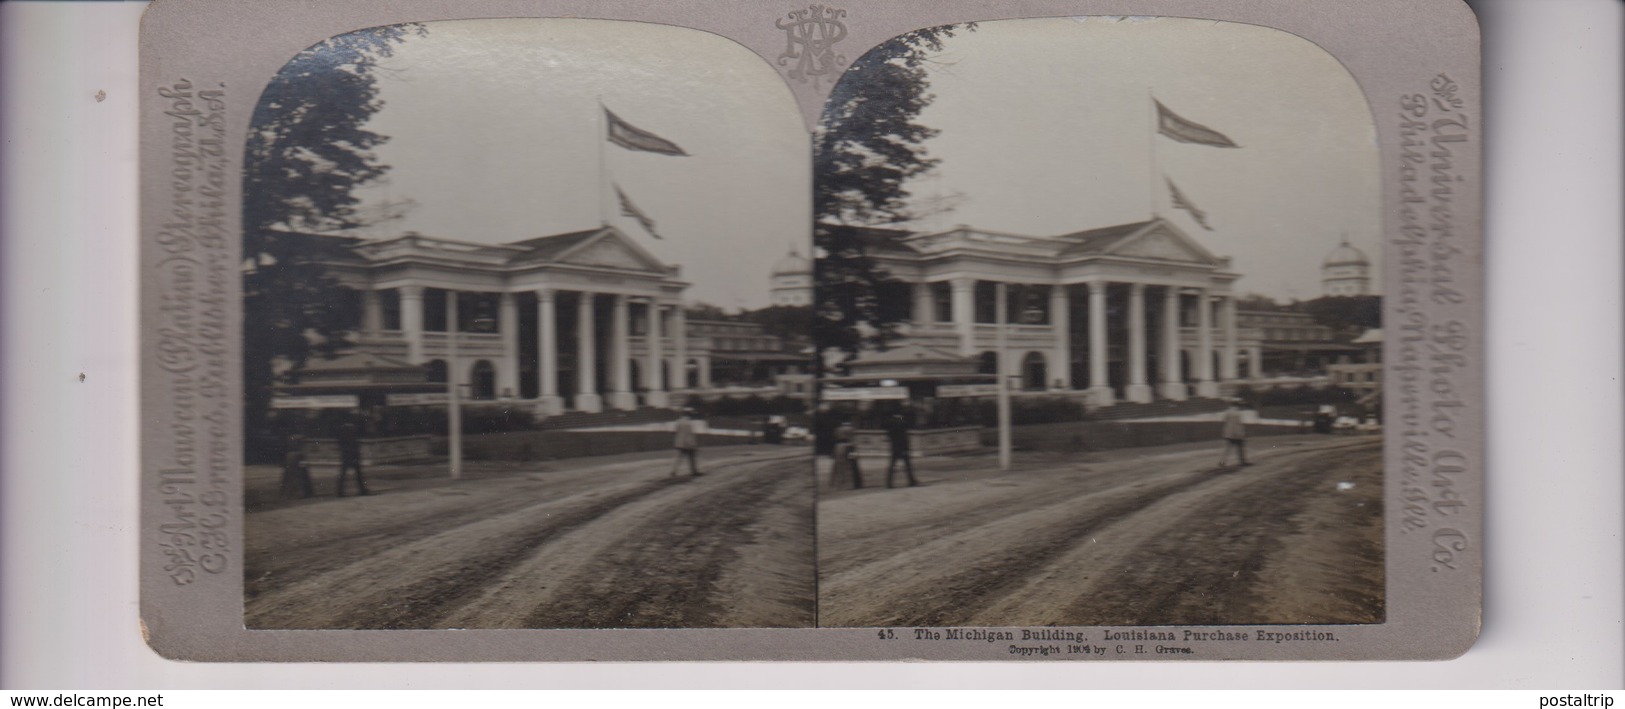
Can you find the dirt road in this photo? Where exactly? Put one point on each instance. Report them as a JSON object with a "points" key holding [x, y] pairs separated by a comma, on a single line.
{"points": [[1144, 536], [582, 543]]}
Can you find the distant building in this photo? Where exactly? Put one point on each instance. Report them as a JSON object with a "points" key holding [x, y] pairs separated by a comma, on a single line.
{"points": [[792, 280], [1361, 372], [1346, 271], [739, 352], [1290, 341]]}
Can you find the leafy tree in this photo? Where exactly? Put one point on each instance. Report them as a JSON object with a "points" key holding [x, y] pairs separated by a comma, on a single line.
{"points": [[1254, 301], [308, 149], [1347, 316], [787, 322], [701, 310], [868, 145]]}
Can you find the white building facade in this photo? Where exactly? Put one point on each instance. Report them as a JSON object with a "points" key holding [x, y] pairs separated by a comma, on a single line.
{"points": [[1134, 312], [572, 322]]}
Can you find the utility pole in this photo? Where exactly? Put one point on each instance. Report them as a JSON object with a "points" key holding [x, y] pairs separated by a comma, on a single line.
{"points": [[454, 399], [1001, 318]]}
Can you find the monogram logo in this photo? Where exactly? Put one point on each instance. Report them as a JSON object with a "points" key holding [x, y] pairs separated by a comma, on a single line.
{"points": [[809, 39]]}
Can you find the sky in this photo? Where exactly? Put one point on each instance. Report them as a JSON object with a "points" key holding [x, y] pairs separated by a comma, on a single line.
{"points": [[1047, 127], [495, 129]]}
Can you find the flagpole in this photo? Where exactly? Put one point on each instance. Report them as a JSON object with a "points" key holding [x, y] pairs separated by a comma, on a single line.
{"points": [[1151, 154], [603, 168]]}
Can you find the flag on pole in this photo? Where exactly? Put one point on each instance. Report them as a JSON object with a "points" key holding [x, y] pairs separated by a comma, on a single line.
{"points": [[631, 210], [1181, 203], [1186, 131], [632, 137]]}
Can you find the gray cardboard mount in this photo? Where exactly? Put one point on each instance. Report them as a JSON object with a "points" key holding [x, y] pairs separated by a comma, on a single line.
{"points": [[1417, 63]]}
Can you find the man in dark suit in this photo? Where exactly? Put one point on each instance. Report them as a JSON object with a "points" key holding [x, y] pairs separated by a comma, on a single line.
{"points": [[897, 433], [350, 458]]}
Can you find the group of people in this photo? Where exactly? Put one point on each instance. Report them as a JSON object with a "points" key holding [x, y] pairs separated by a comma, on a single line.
{"points": [[836, 438], [296, 480]]}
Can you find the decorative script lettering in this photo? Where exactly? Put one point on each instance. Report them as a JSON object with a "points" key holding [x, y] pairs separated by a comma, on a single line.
{"points": [[1432, 347], [189, 336]]}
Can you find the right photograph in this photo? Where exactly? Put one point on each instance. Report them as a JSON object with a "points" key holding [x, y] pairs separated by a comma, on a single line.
{"points": [[1098, 321]]}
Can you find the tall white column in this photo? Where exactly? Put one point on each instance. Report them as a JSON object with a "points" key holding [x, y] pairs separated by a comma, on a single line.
{"points": [[508, 370], [372, 312], [1205, 386], [925, 306], [1227, 320], [1100, 390], [1173, 376], [1139, 390], [587, 398], [679, 345], [1060, 323], [412, 322], [653, 380], [547, 354], [964, 311], [620, 357]]}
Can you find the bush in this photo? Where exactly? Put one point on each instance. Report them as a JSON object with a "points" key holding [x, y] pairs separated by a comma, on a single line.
{"points": [[753, 405], [1026, 411]]}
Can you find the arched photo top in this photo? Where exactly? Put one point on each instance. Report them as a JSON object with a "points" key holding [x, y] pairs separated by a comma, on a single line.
{"points": [[1255, 142], [493, 131]]}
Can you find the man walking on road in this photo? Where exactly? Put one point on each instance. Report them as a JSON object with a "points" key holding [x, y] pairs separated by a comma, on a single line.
{"points": [[897, 433], [1235, 435], [350, 458], [687, 445]]}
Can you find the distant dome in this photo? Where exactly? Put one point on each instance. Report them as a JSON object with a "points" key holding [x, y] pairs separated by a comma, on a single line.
{"points": [[1345, 254], [794, 264]]}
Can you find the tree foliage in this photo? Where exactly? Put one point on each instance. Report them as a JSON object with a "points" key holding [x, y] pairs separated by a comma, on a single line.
{"points": [[308, 149], [789, 323], [1347, 316], [868, 146]]}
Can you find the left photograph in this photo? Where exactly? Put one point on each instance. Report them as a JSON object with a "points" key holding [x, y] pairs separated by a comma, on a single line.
{"points": [[498, 372]]}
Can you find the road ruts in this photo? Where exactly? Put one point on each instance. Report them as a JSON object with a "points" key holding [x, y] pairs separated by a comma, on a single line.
{"points": [[627, 546], [1150, 540]]}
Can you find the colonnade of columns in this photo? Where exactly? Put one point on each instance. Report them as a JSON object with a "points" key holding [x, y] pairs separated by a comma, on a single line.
{"points": [[1137, 387], [665, 347]]}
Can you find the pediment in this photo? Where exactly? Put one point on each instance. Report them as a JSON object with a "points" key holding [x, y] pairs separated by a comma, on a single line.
{"points": [[1164, 242], [612, 249]]}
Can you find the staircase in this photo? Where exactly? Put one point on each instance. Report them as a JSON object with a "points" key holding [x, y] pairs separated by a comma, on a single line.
{"points": [[582, 419], [1156, 409]]}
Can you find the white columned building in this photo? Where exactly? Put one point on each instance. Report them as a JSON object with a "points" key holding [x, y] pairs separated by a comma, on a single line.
{"points": [[1119, 314], [544, 323]]}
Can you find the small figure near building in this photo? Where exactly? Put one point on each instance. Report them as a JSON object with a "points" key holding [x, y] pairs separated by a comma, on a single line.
{"points": [[687, 445], [350, 458], [773, 430], [823, 431], [897, 433], [845, 474], [1235, 435], [295, 470]]}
